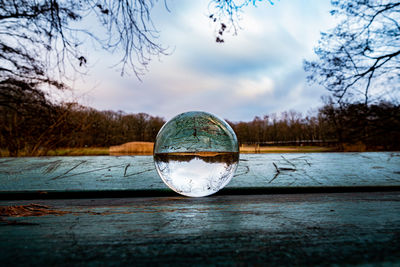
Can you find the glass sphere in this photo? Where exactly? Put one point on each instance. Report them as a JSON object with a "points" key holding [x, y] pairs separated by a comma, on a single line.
{"points": [[196, 153]]}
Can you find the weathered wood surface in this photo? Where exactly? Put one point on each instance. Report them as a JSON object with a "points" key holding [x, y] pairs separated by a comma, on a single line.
{"points": [[301, 229], [255, 171], [274, 230]]}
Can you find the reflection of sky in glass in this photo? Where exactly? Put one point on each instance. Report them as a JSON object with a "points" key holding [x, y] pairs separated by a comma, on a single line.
{"points": [[196, 177]]}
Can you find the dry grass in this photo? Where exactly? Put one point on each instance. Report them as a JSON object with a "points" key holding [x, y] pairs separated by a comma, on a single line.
{"points": [[83, 151], [284, 149], [357, 147], [145, 148]]}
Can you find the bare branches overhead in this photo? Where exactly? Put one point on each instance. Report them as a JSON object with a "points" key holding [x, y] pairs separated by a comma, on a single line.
{"points": [[359, 59], [226, 14], [40, 40], [43, 39]]}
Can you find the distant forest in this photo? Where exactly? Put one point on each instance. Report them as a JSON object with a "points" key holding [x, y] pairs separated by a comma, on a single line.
{"points": [[31, 123]]}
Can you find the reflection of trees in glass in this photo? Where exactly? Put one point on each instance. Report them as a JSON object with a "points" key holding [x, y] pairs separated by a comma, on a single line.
{"points": [[359, 59], [196, 131]]}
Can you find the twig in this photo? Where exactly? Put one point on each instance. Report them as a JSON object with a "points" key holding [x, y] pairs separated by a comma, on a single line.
{"points": [[287, 169], [243, 173], [283, 169], [126, 168], [83, 161], [308, 163], [276, 175], [288, 162], [276, 167]]}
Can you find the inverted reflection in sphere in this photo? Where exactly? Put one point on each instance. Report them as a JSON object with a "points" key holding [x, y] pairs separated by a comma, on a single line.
{"points": [[196, 153]]}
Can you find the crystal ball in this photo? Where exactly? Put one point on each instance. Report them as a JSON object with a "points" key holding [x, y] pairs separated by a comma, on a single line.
{"points": [[196, 153]]}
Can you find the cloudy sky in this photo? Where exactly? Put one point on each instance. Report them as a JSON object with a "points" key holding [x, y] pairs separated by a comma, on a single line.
{"points": [[256, 72]]}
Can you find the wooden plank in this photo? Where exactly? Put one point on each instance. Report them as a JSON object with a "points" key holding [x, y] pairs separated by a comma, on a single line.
{"points": [[255, 171], [297, 229]]}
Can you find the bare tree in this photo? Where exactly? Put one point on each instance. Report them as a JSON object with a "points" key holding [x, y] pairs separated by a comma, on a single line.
{"points": [[359, 60], [27, 117], [37, 36]]}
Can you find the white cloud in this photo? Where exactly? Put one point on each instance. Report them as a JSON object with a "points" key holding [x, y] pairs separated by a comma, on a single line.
{"points": [[251, 89]]}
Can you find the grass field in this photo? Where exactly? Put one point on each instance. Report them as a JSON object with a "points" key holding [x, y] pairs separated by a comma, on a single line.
{"points": [[285, 149], [83, 151], [146, 148], [133, 148]]}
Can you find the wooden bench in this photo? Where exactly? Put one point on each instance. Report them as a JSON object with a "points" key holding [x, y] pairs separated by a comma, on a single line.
{"points": [[305, 209]]}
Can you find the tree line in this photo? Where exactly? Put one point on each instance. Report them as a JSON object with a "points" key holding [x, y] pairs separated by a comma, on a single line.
{"points": [[31, 123], [374, 127]]}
